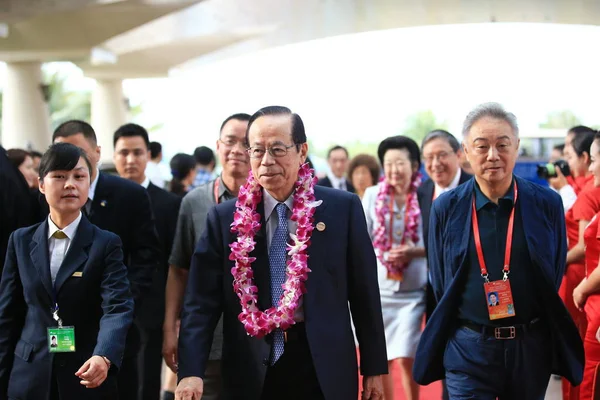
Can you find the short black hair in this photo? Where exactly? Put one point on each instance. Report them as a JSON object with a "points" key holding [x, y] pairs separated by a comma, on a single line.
{"points": [[441, 134], [181, 164], [74, 127], [400, 142], [204, 155], [155, 149], [131, 130], [337, 147], [62, 157], [298, 133], [582, 142], [238, 117], [35, 154]]}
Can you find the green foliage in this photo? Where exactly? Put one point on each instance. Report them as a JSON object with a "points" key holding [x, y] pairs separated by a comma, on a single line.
{"points": [[419, 124], [561, 120], [64, 104]]}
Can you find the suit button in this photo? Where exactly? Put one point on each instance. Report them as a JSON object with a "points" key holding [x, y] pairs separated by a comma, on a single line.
{"points": [[62, 363], [266, 362]]}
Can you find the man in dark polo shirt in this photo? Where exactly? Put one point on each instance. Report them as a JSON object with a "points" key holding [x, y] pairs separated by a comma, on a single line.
{"points": [[231, 150], [498, 236]]}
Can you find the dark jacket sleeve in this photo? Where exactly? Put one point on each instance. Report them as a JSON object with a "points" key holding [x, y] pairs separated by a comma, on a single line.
{"points": [[560, 241], [144, 255], [203, 302], [435, 254], [117, 305], [363, 292], [12, 313]]}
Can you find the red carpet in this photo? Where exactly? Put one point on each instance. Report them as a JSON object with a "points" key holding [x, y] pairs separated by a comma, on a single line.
{"points": [[429, 392]]}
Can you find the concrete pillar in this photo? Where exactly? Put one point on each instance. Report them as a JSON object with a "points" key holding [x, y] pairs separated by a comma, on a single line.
{"points": [[25, 116], [109, 111]]}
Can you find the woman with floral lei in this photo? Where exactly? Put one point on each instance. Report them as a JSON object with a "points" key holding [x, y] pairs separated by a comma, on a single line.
{"points": [[281, 264], [394, 223]]}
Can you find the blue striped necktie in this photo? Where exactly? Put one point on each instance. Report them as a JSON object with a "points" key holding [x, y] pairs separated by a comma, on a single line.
{"points": [[277, 263]]}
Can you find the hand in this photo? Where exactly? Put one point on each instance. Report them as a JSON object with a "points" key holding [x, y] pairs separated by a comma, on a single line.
{"points": [[190, 388], [169, 348], [579, 295], [372, 388], [402, 254], [560, 181], [93, 372]]}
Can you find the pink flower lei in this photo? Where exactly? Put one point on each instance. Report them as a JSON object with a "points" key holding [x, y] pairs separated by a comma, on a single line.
{"points": [[382, 236], [246, 223]]}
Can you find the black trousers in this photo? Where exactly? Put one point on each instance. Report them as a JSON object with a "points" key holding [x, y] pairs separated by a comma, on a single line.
{"points": [[150, 363], [293, 376]]}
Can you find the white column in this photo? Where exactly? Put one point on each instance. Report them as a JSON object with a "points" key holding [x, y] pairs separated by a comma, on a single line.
{"points": [[108, 113], [25, 116]]}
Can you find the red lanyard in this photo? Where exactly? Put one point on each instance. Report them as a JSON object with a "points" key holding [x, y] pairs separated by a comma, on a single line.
{"points": [[509, 237], [216, 189]]}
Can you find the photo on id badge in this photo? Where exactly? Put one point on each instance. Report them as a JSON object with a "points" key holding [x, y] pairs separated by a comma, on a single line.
{"points": [[61, 340], [499, 299]]}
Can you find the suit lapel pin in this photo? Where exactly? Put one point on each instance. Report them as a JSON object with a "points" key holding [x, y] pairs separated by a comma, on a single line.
{"points": [[321, 226], [103, 203]]}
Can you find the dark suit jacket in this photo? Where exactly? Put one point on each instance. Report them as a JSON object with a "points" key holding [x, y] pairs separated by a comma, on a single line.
{"points": [[98, 304], [449, 235], [344, 270], [327, 183], [165, 207], [16, 202], [425, 195]]}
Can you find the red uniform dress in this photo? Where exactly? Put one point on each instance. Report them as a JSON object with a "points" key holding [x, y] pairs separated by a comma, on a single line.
{"points": [[584, 209], [590, 387]]}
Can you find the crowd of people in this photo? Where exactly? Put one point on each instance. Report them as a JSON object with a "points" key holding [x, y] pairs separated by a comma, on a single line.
{"points": [[265, 282]]}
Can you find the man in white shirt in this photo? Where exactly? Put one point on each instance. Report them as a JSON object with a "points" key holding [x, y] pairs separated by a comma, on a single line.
{"points": [[337, 158], [152, 167]]}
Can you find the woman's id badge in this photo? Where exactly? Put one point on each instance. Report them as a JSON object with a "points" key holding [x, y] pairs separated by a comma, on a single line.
{"points": [[61, 340], [499, 299]]}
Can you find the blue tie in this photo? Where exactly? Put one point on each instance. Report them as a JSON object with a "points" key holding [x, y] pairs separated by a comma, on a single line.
{"points": [[277, 259]]}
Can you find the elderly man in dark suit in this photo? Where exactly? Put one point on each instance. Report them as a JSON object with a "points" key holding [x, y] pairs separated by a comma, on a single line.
{"points": [[132, 153], [122, 207], [305, 350], [497, 233]]}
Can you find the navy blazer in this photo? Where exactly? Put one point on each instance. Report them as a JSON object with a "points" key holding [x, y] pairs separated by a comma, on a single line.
{"points": [[327, 183], [98, 304], [449, 235], [344, 270]]}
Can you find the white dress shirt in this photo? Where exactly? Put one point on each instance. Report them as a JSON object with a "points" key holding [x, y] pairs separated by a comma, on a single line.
{"points": [[440, 190], [271, 221], [92, 191], [57, 248], [146, 182], [337, 183]]}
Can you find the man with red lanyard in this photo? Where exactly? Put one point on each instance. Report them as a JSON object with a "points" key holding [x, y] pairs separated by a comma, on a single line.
{"points": [[231, 151], [502, 235]]}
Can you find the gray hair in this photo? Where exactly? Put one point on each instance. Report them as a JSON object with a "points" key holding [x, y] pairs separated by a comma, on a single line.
{"points": [[493, 110], [441, 134]]}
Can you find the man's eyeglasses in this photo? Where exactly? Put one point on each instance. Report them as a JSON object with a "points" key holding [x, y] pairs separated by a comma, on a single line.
{"points": [[441, 157], [277, 151]]}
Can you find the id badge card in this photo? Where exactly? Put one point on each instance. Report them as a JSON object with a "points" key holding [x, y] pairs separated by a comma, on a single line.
{"points": [[498, 297], [61, 340]]}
